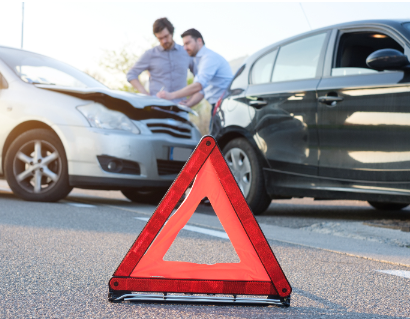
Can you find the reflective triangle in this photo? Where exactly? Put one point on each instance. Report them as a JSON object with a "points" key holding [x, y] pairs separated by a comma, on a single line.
{"points": [[258, 272], [249, 267]]}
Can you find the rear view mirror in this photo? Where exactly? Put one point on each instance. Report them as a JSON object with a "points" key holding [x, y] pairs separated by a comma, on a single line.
{"points": [[387, 59]]}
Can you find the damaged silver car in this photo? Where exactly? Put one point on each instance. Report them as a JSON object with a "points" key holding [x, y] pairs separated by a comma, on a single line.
{"points": [[60, 128]]}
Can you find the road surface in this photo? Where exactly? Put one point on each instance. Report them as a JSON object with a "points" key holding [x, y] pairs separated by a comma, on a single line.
{"points": [[56, 258]]}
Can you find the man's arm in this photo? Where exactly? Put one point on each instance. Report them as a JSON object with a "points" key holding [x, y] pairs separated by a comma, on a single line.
{"points": [[141, 65], [207, 69], [138, 86], [186, 91], [193, 100]]}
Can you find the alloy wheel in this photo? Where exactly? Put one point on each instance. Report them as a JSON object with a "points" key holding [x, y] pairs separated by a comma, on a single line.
{"points": [[240, 167], [37, 166]]}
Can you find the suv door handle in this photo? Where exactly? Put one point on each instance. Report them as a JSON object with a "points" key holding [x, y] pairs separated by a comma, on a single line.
{"points": [[258, 103], [330, 100]]}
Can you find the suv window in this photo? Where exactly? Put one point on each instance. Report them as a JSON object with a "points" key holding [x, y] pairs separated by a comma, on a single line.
{"points": [[355, 47], [262, 69], [299, 59]]}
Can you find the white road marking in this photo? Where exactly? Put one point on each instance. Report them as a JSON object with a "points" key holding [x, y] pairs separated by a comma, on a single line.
{"points": [[400, 273], [201, 230], [81, 205], [5, 189]]}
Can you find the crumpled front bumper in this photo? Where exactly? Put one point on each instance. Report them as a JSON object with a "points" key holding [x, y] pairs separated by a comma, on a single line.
{"points": [[84, 144]]}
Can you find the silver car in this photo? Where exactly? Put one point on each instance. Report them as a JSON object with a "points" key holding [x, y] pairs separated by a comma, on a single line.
{"points": [[60, 128]]}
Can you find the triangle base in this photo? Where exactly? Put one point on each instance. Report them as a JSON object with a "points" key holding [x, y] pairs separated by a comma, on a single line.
{"points": [[193, 286], [206, 300]]}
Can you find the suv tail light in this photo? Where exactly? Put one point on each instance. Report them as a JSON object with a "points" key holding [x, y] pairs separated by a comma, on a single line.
{"points": [[218, 104]]}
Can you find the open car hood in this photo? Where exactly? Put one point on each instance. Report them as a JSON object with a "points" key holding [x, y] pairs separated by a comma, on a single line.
{"points": [[135, 106]]}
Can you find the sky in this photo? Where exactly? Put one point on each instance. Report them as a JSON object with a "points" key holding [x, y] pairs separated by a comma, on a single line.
{"points": [[78, 32]]}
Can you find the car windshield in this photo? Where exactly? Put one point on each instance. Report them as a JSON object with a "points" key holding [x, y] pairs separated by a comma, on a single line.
{"points": [[39, 69]]}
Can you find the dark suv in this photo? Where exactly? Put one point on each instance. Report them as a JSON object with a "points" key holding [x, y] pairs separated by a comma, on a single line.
{"points": [[325, 114]]}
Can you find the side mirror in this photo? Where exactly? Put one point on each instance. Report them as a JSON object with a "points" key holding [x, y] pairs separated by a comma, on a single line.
{"points": [[387, 59]]}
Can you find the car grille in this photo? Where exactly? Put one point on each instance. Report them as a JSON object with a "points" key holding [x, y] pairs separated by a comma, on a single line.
{"points": [[173, 130], [166, 167]]}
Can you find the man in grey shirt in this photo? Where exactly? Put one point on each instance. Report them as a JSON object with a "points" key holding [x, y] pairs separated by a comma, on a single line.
{"points": [[167, 63]]}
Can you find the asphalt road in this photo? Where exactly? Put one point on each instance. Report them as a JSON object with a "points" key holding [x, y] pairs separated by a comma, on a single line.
{"points": [[56, 259]]}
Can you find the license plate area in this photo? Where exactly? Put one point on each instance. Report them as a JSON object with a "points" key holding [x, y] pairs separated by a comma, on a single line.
{"points": [[179, 154]]}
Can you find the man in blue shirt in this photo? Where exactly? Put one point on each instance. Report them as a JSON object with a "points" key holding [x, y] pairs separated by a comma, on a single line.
{"points": [[167, 63], [212, 73]]}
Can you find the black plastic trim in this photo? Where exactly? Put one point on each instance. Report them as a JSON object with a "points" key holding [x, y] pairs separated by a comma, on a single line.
{"points": [[123, 166], [176, 128], [304, 169], [369, 175], [282, 184], [109, 183], [165, 131], [166, 167]]}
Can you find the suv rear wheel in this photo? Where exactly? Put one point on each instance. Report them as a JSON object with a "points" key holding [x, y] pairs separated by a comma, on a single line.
{"points": [[36, 167], [247, 170]]}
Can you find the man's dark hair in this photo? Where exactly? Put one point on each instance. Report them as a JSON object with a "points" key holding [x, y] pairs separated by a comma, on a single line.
{"points": [[193, 33], [162, 23]]}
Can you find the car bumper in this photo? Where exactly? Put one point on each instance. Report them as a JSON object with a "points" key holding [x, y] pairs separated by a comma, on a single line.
{"points": [[84, 144]]}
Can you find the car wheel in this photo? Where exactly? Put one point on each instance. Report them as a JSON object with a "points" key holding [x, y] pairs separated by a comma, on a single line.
{"points": [[388, 206], [36, 167], [247, 170], [138, 195]]}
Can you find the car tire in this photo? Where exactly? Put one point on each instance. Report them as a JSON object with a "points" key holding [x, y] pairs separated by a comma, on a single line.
{"points": [[388, 206], [246, 167], [36, 167], [137, 195]]}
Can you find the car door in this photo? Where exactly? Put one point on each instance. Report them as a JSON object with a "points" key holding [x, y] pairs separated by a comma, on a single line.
{"points": [[282, 96], [363, 114]]}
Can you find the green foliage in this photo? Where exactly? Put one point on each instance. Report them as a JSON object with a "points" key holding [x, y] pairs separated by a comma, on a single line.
{"points": [[118, 61], [203, 109], [190, 79]]}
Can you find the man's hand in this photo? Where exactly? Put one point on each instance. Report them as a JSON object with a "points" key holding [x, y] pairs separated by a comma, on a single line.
{"points": [[186, 91], [183, 102], [165, 95]]}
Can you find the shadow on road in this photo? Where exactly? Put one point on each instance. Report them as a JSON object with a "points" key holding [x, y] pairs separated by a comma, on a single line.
{"points": [[294, 213]]}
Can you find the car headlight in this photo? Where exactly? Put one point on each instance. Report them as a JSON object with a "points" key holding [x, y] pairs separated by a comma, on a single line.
{"points": [[99, 116]]}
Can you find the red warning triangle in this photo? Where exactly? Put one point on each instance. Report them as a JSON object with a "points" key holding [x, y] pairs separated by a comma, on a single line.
{"points": [[258, 272]]}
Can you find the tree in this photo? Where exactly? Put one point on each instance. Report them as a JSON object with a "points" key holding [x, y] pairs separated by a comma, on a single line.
{"points": [[114, 65], [118, 63]]}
